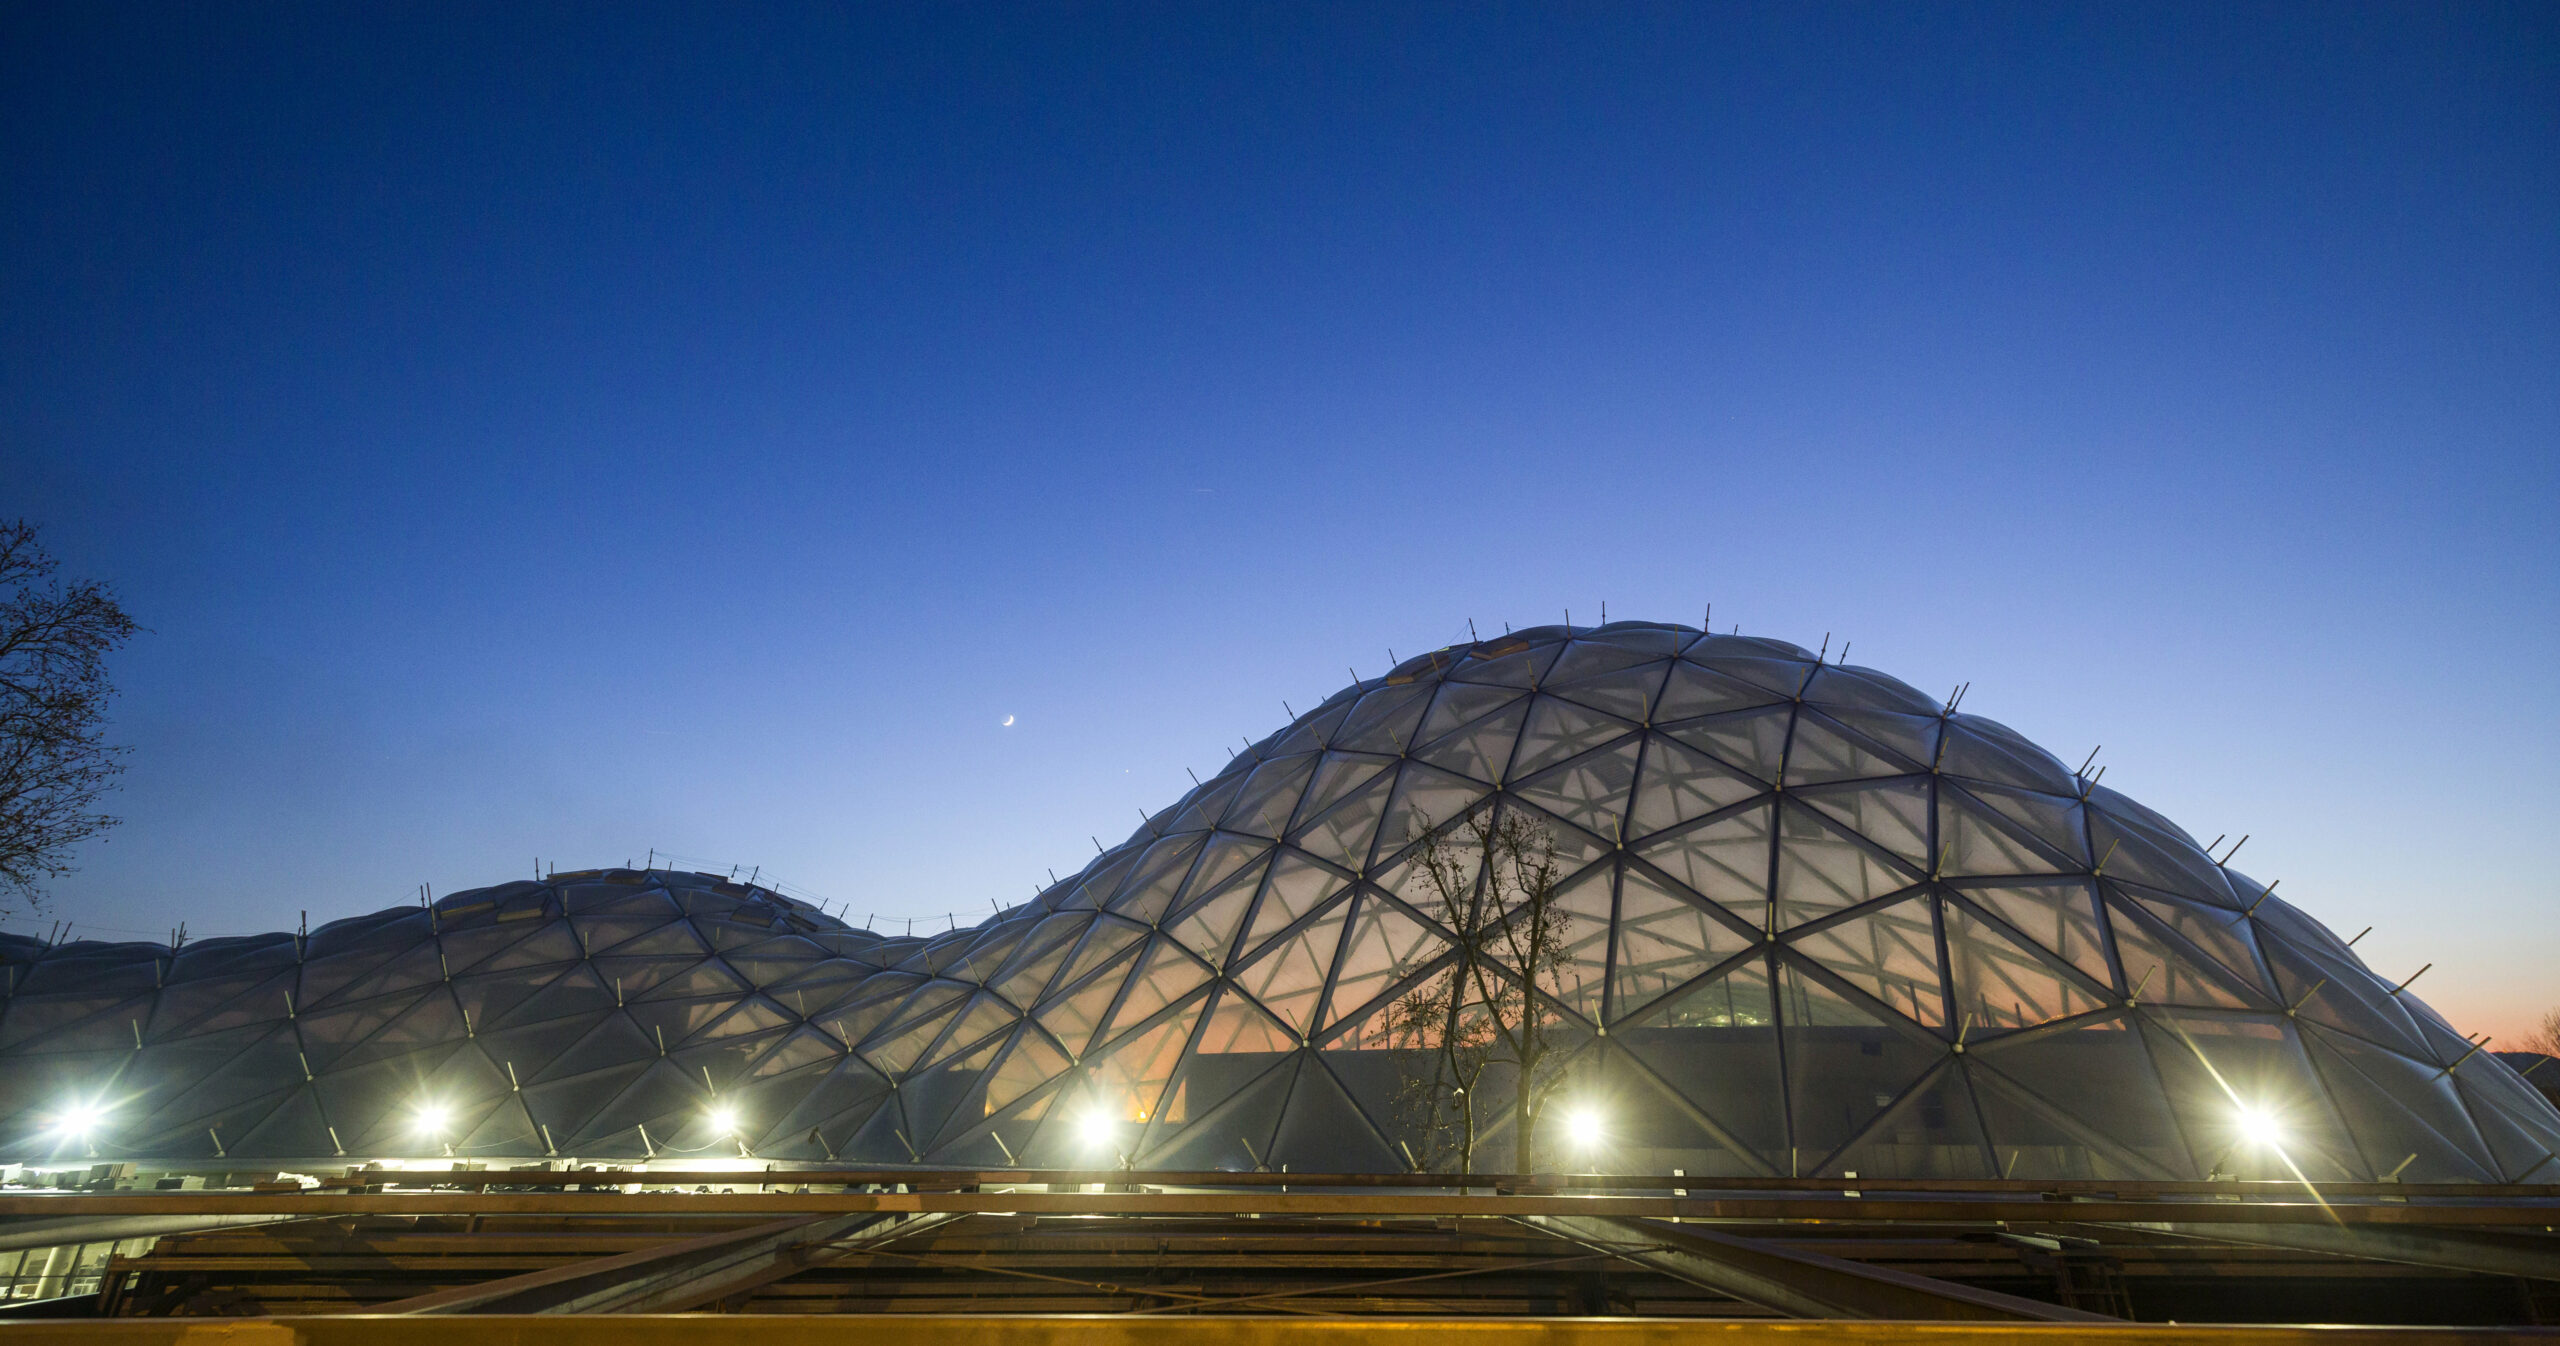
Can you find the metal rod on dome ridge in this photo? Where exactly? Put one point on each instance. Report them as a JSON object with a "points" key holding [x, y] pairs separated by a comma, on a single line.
{"points": [[2235, 848], [2412, 977], [1825, 651], [1471, 632], [2359, 935], [2262, 897], [2306, 996], [2457, 1064]]}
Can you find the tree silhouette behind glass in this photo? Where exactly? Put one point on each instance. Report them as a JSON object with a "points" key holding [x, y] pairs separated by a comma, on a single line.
{"points": [[1486, 1018]]}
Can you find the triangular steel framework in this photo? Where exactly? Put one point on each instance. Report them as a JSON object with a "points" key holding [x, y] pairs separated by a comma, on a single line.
{"points": [[1821, 921]]}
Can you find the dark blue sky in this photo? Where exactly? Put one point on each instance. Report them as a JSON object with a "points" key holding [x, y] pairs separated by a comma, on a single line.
{"points": [[560, 434]]}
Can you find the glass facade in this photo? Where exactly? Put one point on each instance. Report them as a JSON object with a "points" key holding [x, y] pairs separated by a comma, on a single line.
{"points": [[1818, 924]]}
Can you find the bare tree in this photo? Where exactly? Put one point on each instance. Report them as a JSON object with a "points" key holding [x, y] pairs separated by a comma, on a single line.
{"points": [[1490, 881], [55, 762], [2545, 1036]]}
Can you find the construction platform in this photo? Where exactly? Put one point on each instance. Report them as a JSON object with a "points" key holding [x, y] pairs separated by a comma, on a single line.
{"points": [[542, 1253]]}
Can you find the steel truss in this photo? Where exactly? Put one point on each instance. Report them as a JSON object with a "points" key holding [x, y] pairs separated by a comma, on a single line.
{"points": [[1291, 1254]]}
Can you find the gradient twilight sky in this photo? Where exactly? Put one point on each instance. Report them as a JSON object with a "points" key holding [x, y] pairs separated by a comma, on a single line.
{"points": [[561, 434]]}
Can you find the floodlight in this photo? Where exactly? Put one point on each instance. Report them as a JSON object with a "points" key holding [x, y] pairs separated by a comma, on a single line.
{"points": [[75, 1121], [2260, 1127], [1099, 1129], [430, 1119], [1584, 1126], [724, 1119]]}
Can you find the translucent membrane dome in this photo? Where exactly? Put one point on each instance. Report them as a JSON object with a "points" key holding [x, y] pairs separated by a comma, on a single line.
{"points": [[1817, 924]]}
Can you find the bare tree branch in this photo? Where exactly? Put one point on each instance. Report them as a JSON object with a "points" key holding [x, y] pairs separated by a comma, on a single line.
{"points": [[55, 763], [1491, 877], [2545, 1036]]}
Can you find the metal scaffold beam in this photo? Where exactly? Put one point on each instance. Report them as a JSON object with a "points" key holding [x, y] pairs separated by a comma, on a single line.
{"points": [[2024, 1206], [49, 1232], [1128, 1330], [1795, 1281], [677, 1276], [2530, 1254]]}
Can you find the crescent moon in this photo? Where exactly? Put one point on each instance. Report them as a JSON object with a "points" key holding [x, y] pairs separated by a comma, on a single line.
{"points": [[1008, 722]]}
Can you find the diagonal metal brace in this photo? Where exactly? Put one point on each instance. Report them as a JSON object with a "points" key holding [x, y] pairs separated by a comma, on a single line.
{"points": [[1795, 1281], [52, 1231], [674, 1277], [2485, 1252]]}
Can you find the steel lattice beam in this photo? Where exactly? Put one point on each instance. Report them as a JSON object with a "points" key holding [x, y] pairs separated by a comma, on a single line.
{"points": [[1793, 1280], [676, 1276]]}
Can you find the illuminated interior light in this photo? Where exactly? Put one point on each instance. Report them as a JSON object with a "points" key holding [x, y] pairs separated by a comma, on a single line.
{"points": [[2260, 1127], [724, 1119], [1098, 1128], [430, 1119], [1584, 1127]]}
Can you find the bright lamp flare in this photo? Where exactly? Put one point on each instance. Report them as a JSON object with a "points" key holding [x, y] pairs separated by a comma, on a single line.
{"points": [[78, 1120], [1099, 1128], [1584, 1126], [430, 1119], [2260, 1127], [724, 1119]]}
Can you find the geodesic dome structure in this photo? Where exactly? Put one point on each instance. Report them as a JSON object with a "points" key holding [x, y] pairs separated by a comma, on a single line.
{"points": [[1817, 923]]}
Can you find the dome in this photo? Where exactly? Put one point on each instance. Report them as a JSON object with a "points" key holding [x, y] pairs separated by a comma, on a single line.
{"points": [[1805, 920]]}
